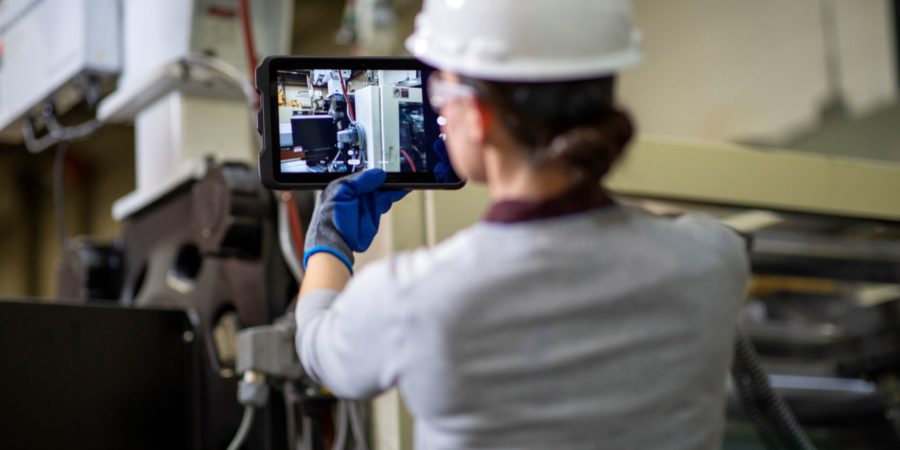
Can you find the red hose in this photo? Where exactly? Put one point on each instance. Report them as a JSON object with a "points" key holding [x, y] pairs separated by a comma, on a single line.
{"points": [[347, 97], [296, 223], [249, 46], [409, 159]]}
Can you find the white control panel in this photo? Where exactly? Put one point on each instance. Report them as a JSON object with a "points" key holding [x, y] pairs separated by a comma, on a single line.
{"points": [[47, 44]]}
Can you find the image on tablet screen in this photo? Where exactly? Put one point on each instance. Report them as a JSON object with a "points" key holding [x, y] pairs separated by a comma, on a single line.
{"points": [[342, 121]]}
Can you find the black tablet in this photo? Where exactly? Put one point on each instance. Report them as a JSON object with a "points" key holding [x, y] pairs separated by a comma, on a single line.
{"points": [[324, 118]]}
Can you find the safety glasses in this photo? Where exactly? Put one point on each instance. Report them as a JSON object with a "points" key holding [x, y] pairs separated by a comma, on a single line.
{"points": [[441, 92]]}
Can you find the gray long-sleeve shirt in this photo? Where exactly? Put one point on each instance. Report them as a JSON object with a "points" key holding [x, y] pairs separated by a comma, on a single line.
{"points": [[610, 329]]}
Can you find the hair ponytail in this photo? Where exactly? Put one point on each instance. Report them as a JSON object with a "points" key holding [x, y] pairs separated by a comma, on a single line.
{"points": [[590, 149]]}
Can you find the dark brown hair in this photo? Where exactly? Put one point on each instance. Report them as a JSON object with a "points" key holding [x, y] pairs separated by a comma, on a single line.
{"points": [[573, 122]]}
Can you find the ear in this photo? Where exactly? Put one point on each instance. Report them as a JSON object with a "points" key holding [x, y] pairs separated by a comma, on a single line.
{"points": [[479, 121]]}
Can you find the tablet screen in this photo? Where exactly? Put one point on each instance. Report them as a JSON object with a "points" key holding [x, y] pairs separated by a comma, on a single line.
{"points": [[346, 120]]}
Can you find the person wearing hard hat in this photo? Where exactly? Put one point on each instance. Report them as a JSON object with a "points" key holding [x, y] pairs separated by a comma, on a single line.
{"points": [[564, 319]]}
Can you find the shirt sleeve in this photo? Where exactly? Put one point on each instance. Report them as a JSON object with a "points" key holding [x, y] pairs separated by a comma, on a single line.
{"points": [[351, 342]]}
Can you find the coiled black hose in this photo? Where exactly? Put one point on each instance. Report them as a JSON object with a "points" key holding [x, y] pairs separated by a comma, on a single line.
{"points": [[775, 423]]}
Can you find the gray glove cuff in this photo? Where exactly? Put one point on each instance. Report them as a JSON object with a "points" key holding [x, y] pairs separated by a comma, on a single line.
{"points": [[322, 235]]}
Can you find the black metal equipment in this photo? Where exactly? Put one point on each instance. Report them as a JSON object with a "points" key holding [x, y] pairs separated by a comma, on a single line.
{"points": [[314, 132], [91, 377], [828, 350], [209, 248]]}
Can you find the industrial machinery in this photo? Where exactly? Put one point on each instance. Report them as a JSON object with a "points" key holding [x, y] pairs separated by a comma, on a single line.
{"points": [[393, 110], [76, 59], [200, 234], [323, 137], [825, 254], [340, 121]]}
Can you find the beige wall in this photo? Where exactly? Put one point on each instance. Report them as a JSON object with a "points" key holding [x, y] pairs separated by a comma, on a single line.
{"points": [[13, 246], [98, 171], [753, 70]]}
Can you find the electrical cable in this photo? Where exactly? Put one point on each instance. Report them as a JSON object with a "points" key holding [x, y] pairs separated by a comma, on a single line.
{"points": [[337, 156], [747, 398], [296, 228], [351, 114], [33, 143], [69, 133], [231, 74], [328, 424], [341, 428], [59, 206], [56, 133], [409, 160], [422, 155], [286, 244], [234, 75], [352, 118], [48, 112], [358, 426], [306, 423], [766, 408], [363, 149], [247, 30], [290, 416], [243, 430], [350, 110], [236, 79]]}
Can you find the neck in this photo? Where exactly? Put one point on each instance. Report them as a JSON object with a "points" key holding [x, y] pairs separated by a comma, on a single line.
{"points": [[510, 176]]}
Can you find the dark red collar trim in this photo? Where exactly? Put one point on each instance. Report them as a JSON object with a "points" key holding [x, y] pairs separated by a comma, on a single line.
{"points": [[572, 202]]}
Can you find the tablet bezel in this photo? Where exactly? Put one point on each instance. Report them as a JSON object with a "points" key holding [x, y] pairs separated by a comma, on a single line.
{"points": [[269, 159]]}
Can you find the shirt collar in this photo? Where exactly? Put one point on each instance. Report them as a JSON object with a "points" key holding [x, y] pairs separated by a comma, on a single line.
{"points": [[574, 201]]}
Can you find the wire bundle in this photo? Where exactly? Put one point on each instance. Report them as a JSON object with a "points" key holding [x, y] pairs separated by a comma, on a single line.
{"points": [[774, 422]]}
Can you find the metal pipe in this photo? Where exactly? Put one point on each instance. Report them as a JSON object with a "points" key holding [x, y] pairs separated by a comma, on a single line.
{"points": [[896, 21]]}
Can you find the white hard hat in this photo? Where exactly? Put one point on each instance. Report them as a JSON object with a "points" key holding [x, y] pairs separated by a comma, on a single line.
{"points": [[527, 40]]}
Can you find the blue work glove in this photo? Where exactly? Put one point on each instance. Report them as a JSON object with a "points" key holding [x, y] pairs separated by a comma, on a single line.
{"points": [[346, 218], [443, 171]]}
